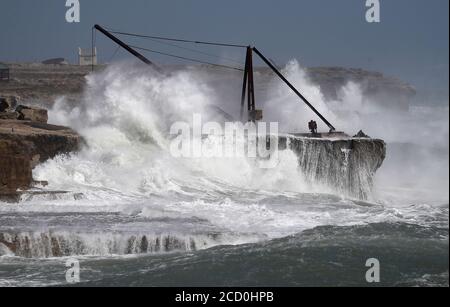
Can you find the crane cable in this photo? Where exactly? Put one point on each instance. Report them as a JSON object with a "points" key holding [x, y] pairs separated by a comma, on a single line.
{"points": [[156, 38], [178, 40], [186, 58], [196, 51]]}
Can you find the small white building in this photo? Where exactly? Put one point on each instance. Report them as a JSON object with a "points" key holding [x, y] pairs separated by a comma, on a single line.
{"points": [[87, 56]]}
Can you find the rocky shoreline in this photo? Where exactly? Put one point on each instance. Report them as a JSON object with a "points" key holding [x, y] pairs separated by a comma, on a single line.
{"points": [[25, 141]]}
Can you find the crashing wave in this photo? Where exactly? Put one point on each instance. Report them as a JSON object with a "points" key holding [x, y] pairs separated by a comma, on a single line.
{"points": [[60, 244]]}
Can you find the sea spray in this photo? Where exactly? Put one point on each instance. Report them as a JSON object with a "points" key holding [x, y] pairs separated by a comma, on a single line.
{"points": [[125, 116], [126, 169]]}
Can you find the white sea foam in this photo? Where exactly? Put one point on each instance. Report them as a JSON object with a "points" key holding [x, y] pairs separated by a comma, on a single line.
{"points": [[126, 168]]}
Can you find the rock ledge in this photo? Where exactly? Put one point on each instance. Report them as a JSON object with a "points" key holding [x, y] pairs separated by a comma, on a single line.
{"points": [[24, 144]]}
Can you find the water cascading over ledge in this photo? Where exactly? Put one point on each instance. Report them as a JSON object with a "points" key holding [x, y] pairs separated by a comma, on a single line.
{"points": [[35, 244], [346, 165]]}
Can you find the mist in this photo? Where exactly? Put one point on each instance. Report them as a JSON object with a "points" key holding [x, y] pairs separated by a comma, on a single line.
{"points": [[417, 162], [133, 103]]}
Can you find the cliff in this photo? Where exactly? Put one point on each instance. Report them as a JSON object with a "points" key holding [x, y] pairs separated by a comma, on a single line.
{"points": [[24, 144], [386, 91], [40, 84]]}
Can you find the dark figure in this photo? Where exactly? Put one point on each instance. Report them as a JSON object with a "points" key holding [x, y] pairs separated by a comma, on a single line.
{"points": [[312, 125]]}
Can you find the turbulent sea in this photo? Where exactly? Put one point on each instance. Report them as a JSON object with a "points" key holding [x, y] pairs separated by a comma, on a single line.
{"points": [[133, 215]]}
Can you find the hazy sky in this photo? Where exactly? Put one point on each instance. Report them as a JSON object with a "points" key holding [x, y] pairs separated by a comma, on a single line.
{"points": [[410, 42]]}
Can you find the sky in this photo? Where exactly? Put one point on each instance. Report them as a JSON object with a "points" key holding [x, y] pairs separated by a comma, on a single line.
{"points": [[411, 41]]}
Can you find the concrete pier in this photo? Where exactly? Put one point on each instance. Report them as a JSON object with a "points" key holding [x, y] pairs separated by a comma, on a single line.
{"points": [[346, 164]]}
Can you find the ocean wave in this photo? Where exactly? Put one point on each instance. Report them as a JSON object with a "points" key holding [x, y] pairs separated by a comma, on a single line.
{"points": [[409, 255]]}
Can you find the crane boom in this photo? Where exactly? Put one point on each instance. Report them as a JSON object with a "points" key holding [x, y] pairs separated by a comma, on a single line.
{"points": [[128, 48], [279, 74]]}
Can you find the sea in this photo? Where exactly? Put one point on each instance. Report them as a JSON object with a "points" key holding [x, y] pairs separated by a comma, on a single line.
{"points": [[124, 211]]}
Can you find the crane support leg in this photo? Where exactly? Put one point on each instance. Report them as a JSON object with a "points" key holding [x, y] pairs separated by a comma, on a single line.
{"points": [[248, 86]]}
